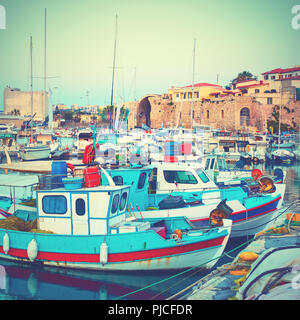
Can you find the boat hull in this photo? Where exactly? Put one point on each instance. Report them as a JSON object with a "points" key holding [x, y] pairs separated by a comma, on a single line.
{"points": [[247, 219], [28, 154], [143, 251]]}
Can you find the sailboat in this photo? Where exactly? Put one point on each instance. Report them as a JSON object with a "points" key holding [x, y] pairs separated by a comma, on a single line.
{"points": [[33, 151]]}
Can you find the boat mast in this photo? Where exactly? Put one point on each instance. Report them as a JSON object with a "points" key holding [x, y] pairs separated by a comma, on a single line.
{"points": [[45, 53], [279, 120], [113, 79], [31, 85], [192, 107]]}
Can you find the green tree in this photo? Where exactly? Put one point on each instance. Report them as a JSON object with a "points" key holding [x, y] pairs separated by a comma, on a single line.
{"points": [[243, 76], [68, 115]]}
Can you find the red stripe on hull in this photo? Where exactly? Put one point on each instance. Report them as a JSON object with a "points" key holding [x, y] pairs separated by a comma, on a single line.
{"points": [[118, 257]]}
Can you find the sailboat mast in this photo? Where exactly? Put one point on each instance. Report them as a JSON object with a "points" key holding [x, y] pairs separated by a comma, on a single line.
{"points": [[279, 120], [192, 107], [113, 79], [31, 83], [45, 55]]}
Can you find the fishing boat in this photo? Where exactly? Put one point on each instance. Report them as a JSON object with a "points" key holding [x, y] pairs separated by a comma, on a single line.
{"points": [[34, 152], [281, 153], [80, 223], [179, 189]]}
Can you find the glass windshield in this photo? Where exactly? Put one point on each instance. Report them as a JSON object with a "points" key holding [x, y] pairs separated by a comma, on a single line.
{"points": [[204, 178]]}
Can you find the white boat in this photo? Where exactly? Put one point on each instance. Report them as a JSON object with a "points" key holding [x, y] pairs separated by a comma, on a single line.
{"points": [[34, 152]]}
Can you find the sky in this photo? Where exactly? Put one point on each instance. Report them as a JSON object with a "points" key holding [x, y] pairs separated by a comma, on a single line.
{"points": [[154, 45]]}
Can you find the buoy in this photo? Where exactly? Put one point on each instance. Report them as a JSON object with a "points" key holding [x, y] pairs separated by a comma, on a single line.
{"points": [[255, 174], [32, 250], [103, 252], [248, 256], [6, 243]]}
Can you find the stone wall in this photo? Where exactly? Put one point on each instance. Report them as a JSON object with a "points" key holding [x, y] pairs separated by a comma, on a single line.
{"points": [[222, 113]]}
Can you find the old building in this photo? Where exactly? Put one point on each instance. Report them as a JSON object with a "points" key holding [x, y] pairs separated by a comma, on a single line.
{"points": [[14, 99]]}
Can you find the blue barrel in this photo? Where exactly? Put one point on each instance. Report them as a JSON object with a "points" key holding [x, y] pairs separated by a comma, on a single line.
{"points": [[59, 170]]}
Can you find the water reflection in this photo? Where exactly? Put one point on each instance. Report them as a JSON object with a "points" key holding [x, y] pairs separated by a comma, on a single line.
{"points": [[46, 283]]}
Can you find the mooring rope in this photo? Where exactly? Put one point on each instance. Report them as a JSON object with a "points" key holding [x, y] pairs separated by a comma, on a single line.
{"points": [[180, 273], [196, 267]]}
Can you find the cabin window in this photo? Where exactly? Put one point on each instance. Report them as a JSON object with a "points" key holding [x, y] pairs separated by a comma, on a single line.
{"points": [[80, 207], [221, 164], [142, 180], [123, 201], [212, 163], [118, 180], [204, 178], [54, 204], [185, 177], [115, 204], [207, 164]]}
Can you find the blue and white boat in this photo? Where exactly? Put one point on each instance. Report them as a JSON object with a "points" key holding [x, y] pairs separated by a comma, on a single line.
{"points": [[173, 190], [90, 231]]}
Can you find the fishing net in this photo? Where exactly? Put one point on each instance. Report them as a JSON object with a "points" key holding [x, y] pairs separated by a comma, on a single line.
{"points": [[15, 223]]}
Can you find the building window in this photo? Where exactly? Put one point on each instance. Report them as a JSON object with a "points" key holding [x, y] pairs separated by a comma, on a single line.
{"points": [[80, 207], [222, 114], [189, 95], [184, 95], [273, 77], [207, 114], [197, 94], [266, 77], [269, 100], [256, 90], [54, 204]]}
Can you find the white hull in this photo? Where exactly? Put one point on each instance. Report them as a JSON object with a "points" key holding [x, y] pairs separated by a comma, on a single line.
{"points": [[35, 153]]}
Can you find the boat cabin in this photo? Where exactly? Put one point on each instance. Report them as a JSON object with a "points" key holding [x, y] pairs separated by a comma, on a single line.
{"points": [[82, 211]]}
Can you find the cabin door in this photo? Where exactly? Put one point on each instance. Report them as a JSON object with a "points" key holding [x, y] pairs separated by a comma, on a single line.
{"points": [[79, 212]]}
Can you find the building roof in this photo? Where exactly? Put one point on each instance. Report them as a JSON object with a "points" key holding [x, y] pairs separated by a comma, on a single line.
{"points": [[203, 84], [279, 70], [254, 85]]}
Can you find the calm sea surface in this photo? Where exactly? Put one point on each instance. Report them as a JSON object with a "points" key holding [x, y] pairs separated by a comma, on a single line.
{"points": [[19, 282]]}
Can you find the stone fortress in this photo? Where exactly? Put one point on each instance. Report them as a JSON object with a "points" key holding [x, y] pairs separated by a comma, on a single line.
{"points": [[247, 106]]}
